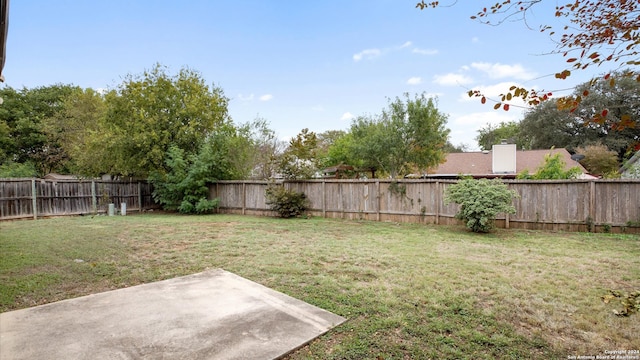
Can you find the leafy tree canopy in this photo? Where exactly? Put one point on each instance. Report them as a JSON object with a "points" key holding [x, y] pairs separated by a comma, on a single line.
{"points": [[595, 32], [491, 134], [149, 113], [23, 118], [546, 126], [409, 135], [300, 160]]}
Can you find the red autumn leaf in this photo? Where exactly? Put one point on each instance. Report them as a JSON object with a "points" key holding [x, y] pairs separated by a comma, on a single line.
{"points": [[506, 107]]}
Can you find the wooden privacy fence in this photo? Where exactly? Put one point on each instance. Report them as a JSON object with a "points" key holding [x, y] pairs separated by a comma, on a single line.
{"points": [[33, 198], [569, 205]]}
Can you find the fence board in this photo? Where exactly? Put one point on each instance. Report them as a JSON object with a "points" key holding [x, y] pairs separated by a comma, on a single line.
{"points": [[70, 197], [550, 205]]}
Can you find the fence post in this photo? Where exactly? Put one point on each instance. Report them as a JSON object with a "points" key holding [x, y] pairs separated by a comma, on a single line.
{"points": [[438, 191], [34, 201], [94, 199], [506, 218], [140, 207], [379, 200], [244, 197], [592, 206], [324, 199]]}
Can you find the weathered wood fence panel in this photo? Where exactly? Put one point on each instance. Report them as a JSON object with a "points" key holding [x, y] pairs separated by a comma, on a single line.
{"points": [[616, 201], [576, 205], [20, 197], [553, 202]]}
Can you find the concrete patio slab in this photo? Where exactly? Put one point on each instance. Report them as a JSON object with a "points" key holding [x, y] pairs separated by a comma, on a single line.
{"points": [[210, 315]]}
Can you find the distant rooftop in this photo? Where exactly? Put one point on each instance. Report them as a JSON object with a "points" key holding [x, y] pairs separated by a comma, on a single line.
{"points": [[478, 164]]}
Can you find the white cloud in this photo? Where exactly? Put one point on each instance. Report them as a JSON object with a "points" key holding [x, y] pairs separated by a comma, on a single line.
{"points": [[452, 79], [368, 54], [475, 40], [266, 97], [245, 98], [416, 80], [500, 71], [424, 51], [347, 116]]}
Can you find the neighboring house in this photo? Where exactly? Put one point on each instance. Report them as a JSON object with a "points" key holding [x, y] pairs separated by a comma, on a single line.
{"points": [[341, 171], [631, 169], [54, 176], [504, 161]]}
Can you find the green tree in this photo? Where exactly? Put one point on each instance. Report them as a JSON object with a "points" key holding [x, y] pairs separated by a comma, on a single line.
{"points": [[450, 148], [341, 151], [300, 160], [591, 33], [262, 149], [23, 118], [553, 168], [480, 202], [409, 135], [183, 184], [547, 126], [73, 125], [149, 113], [491, 134]]}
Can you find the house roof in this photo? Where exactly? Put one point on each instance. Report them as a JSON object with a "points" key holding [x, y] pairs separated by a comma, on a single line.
{"points": [[480, 163], [54, 176]]}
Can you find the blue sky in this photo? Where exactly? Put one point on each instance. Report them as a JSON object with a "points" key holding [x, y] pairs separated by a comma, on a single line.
{"points": [[297, 64]]}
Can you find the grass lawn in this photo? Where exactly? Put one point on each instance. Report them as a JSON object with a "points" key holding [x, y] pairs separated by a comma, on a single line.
{"points": [[409, 291]]}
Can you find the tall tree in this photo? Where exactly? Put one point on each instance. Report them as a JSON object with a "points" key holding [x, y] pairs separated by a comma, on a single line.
{"points": [[254, 150], [409, 135], [545, 125], [78, 119], [23, 117], [300, 160], [149, 113], [595, 32], [341, 151], [491, 134]]}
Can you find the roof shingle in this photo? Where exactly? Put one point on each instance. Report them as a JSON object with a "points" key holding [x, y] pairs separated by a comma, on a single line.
{"points": [[479, 163]]}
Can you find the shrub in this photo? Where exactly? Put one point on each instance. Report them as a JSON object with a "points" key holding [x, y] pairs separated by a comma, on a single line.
{"points": [[287, 203], [185, 186], [480, 201], [552, 169], [18, 170]]}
